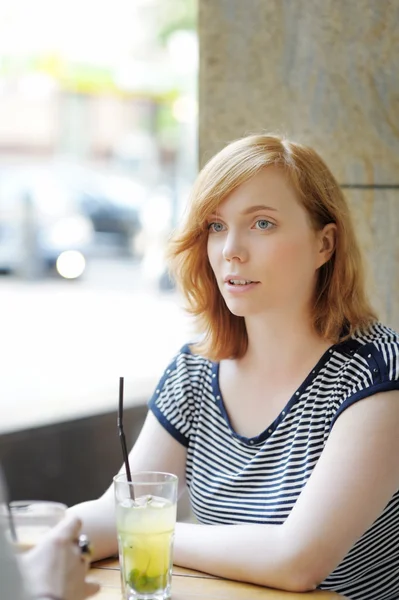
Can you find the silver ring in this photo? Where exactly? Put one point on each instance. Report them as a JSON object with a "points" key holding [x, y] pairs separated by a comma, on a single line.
{"points": [[84, 544]]}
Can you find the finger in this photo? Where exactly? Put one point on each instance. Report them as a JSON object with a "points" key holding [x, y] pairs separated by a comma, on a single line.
{"points": [[85, 559], [91, 588], [68, 528]]}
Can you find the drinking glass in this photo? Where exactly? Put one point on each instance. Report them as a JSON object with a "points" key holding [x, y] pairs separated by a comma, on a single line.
{"points": [[27, 521], [145, 520]]}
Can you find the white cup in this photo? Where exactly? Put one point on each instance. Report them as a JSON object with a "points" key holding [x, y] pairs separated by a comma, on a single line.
{"points": [[27, 521]]}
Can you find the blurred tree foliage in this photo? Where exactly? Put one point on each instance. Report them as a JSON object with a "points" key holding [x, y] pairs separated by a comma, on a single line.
{"points": [[175, 15]]}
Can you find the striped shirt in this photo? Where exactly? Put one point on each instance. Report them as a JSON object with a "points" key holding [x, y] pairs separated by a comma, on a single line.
{"points": [[233, 479]]}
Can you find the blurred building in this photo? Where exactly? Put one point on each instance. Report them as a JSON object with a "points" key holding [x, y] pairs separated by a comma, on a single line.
{"points": [[47, 122], [115, 82]]}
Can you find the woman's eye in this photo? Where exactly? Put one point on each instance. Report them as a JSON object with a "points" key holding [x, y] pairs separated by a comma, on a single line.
{"points": [[215, 227], [263, 224]]}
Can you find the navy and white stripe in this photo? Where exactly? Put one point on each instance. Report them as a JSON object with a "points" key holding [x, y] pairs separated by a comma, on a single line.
{"points": [[233, 479]]}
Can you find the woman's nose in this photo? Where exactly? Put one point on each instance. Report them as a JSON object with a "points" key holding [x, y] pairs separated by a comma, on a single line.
{"points": [[234, 248]]}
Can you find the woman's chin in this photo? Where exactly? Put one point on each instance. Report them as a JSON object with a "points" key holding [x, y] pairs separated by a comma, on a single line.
{"points": [[238, 311], [247, 310]]}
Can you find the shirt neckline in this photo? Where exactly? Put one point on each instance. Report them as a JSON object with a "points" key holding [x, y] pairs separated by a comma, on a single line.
{"points": [[264, 435]]}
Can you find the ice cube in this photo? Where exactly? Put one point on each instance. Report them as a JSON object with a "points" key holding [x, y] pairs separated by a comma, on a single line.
{"points": [[143, 501], [127, 503], [158, 503]]}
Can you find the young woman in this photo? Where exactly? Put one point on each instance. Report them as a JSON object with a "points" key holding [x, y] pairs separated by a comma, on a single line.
{"points": [[283, 419]]}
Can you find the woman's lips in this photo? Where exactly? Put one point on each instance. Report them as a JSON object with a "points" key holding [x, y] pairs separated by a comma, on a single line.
{"points": [[238, 288]]}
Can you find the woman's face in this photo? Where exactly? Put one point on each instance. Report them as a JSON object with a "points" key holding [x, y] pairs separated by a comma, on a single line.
{"points": [[262, 248]]}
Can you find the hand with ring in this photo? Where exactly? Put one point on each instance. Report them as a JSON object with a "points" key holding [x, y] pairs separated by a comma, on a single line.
{"points": [[57, 567], [84, 544]]}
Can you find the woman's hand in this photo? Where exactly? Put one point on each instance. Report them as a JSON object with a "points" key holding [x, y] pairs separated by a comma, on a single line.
{"points": [[56, 567]]}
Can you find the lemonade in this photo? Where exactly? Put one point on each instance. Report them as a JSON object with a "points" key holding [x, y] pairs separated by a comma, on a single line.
{"points": [[145, 538]]}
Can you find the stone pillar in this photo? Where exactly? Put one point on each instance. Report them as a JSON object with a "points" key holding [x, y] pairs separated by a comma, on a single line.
{"points": [[324, 73]]}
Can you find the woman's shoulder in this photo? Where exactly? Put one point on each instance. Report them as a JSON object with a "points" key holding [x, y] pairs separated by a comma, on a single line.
{"points": [[377, 334], [370, 358], [368, 364], [188, 355], [381, 343], [187, 366]]}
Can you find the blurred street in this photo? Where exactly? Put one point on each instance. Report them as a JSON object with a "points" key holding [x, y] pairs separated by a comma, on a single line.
{"points": [[98, 149], [66, 343]]}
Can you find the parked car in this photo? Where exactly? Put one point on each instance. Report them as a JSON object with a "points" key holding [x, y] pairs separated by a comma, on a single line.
{"points": [[42, 228], [113, 204]]}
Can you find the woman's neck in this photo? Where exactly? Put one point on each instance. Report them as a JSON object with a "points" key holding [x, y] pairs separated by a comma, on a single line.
{"points": [[278, 344]]}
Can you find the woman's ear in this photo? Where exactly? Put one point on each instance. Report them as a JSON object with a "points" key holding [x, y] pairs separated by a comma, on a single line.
{"points": [[327, 241]]}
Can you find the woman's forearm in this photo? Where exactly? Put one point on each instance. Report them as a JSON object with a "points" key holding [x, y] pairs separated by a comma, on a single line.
{"points": [[99, 524], [253, 553]]}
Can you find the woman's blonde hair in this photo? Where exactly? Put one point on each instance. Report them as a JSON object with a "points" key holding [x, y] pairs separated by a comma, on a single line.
{"points": [[340, 305]]}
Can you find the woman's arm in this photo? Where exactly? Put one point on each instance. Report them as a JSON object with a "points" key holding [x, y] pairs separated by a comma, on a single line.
{"points": [[154, 450], [353, 481]]}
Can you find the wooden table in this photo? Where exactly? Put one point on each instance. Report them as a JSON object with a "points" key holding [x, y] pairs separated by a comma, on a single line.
{"points": [[192, 585]]}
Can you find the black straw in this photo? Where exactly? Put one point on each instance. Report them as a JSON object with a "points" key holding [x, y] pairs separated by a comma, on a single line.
{"points": [[7, 507], [122, 435], [13, 529]]}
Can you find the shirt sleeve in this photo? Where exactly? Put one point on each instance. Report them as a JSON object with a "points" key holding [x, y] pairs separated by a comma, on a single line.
{"points": [[374, 368], [175, 398]]}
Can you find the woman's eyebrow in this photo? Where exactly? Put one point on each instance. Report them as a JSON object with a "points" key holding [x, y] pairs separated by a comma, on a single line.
{"points": [[256, 208], [246, 211]]}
